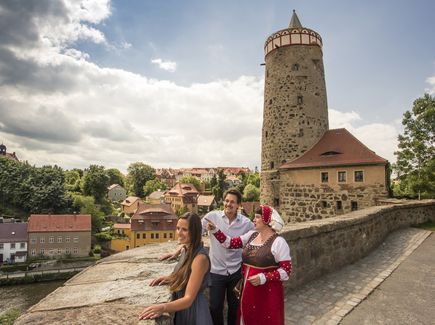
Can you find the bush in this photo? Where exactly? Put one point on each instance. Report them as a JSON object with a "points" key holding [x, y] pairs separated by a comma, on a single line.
{"points": [[104, 236], [97, 249], [13, 268], [10, 316]]}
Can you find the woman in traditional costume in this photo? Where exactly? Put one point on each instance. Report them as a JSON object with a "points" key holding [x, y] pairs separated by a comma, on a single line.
{"points": [[266, 264]]}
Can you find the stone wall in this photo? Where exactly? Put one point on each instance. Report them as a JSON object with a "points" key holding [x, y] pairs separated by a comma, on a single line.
{"points": [[115, 290], [322, 246], [300, 203]]}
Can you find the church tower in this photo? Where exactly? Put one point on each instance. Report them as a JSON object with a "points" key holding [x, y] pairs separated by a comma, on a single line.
{"points": [[295, 114]]}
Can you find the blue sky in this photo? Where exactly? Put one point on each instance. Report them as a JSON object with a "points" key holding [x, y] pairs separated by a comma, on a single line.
{"points": [[179, 83]]}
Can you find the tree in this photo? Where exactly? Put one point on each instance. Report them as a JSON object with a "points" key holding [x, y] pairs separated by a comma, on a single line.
{"points": [[72, 180], [221, 186], [415, 166], [191, 180], [86, 205], [254, 179], [138, 174], [251, 193], [115, 177], [153, 185], [95, 182]]}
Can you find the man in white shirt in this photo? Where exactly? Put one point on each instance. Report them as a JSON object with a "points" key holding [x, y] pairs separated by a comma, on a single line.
{"points": [[226, 263]]}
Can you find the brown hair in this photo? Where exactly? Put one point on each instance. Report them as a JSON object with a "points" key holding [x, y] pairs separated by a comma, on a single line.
{"points": [[235, 192], [179, 278]]}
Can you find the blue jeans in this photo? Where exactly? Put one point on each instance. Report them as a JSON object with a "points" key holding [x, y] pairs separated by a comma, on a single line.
{"points": [[219, 286]]}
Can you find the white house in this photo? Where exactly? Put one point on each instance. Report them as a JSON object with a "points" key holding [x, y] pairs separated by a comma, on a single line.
{"points": [[13, 242]]}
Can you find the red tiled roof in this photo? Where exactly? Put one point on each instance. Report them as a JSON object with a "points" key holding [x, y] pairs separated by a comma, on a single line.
{"points": [[129, 200], [337, 147], [121, 226], [150, 208], [59, 222], [182, 189], [205, 200], [13, 232]]}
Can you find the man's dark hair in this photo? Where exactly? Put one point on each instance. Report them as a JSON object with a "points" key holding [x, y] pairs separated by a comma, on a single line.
{"points": [[235, 192]]}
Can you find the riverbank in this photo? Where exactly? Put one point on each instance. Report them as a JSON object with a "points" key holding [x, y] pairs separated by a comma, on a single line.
{"points": [[38, 276]]}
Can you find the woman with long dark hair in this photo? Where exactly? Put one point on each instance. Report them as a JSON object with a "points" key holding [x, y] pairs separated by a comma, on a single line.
{"points": [[188, 280], [266, 263]]}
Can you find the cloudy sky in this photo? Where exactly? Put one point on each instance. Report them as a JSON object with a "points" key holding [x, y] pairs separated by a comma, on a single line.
{"points": [[179, 83]]}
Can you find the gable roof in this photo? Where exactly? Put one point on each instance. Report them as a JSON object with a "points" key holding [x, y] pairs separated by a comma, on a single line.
{"points": [[337, 147], [13, 232], [182, 189], [205, 200], [156, 195], [129, 200], [59, 222], [114, 186], [145, 208]]}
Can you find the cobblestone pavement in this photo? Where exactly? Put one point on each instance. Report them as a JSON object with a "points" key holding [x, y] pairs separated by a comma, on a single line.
{"points": [[328, 299]]}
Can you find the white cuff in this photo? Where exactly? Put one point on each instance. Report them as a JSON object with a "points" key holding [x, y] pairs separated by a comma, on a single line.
{"points": [[215, 230], [262, 278]]}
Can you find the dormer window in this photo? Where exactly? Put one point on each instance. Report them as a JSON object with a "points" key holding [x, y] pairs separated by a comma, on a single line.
{"points": [[331, 153]]}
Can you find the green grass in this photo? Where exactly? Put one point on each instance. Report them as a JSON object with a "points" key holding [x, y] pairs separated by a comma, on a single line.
{"points": [[10, 316], [429, 225]]}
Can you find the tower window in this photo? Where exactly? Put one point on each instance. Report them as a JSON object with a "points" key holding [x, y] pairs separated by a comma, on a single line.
{"points": [[339, 205], [295, 67], [324, 177], [266, 134], [272, 165], [276, 202], [324, 204], [300, 99]]}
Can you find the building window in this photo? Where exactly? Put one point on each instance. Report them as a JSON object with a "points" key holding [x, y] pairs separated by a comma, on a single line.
{"points": [[295, 67], [164, 235], [354, 205], [170, 235], [1, 246], [138, 236], [359, 176], [67, 239], [152, 235], [300, 100], [157, 236], [324, 177], [33, 252], [341, 177], [33, 240], [42, 240], [76, 250], [339, 205], [127, 247], [42, 251], [144, 236], [22, 245], [76, 239], [51, 239], [12, 245], [59, 251], [276, 202], [272, 165], [67, 250], [59, 239]]}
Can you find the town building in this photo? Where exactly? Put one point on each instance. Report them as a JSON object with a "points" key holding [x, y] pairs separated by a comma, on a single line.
{"points": [[182, 197], [121, 237], [5, 154], [308, 171], [130, 204], [206, 203], [116, 192], [13, 242], [57, 235], [156, 197]]}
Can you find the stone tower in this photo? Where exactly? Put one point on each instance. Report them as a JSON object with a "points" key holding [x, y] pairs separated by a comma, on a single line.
{"points": [[295, 114]]}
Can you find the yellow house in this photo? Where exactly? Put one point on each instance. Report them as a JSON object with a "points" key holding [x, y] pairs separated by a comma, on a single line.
{"points": [[121, 239], [182, 196], [130, 204], [153, 223]]}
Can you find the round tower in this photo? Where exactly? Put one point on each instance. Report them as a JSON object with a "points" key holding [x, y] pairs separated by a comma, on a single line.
{"points": [[295, 114]]}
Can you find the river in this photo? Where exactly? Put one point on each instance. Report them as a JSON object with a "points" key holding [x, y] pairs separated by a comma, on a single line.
{"points": [[23, 296]]}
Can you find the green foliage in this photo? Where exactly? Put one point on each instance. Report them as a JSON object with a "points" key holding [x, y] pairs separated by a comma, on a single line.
{"points": [[115, 177], [72, 180], [33, 189], [251, 193], [415, 166], [86, 205], [9, 317], [219, 189], [97, 249], [181, 211], [153, 185], [104, 236], [138, 174], [95, 182], [191, 180], [254, 179]]}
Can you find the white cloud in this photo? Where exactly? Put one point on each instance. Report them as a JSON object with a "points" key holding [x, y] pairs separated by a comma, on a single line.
{"points": [[170, 66]]}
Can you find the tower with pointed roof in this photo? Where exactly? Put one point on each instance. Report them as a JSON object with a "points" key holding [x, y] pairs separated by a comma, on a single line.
{"points": [[295, 112]]}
